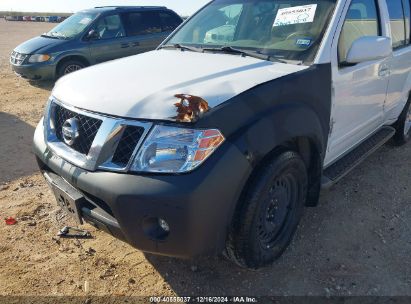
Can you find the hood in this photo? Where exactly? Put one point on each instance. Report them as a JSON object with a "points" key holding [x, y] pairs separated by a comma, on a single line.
{"points": [[36, 44], [144, 86]]}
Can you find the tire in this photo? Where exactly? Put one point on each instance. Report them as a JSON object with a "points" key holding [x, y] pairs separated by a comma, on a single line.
{"points": [[69, 66], [269, 213], [403, 126]]}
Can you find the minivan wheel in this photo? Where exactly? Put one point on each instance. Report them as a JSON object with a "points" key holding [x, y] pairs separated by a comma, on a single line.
{"points": [[268, 216], [403, 126], [70, 66]]}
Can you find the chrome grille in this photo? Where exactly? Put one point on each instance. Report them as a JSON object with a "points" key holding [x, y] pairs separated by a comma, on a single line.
{"points": [[17, 58], [103, 142], [127, 145], [88, 128]]}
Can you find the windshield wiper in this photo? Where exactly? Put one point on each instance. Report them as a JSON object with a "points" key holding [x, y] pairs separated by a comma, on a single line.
{"points": [[233, 50], [181, 47], [49, 36], [56, 35], [287, 61], [255, 54]]}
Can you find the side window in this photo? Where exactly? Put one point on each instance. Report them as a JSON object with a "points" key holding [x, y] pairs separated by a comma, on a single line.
{"points": [[362, 19], [169, 21], [110, 27], [407, 13], [142, 23], [396, 13]]}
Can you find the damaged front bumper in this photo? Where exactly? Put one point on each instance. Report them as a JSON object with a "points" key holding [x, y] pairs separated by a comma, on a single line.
{"points": [[197, 207]]}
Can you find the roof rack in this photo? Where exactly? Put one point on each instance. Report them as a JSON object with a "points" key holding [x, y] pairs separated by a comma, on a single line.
{"points": [[131, 7]]}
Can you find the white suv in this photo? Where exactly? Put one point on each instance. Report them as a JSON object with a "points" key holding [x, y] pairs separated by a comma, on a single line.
{"points": [[218, 139]]}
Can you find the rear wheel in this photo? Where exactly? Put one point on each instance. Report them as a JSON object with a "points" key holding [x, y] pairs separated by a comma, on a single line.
{"points": [[403, 126], [70, 66], [268, 216]]}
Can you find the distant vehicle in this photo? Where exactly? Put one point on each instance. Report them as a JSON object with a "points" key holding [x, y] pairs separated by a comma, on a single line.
{"points": [[93, 36], [26, 18], [53, 19]]}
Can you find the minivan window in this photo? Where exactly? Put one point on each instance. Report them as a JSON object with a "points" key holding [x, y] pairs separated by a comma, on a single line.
{"points": [[407, 13], [169, 21], [110, 27], [142, 23], [72, 26], [286, 29], [397, 23], [362, 19]]}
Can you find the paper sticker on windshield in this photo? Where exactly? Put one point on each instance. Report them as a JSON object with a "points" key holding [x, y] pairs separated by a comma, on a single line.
{"points": [[85, 21], [295, 15]]}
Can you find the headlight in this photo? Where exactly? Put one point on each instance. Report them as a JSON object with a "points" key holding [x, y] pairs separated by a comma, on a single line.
{"points": [[176, 150], [39, 58]]}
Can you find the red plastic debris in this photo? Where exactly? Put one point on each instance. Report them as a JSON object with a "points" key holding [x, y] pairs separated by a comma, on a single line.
{"points": [[10, 221]]}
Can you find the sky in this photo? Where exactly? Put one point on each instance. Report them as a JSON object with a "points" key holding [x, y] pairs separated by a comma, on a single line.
{"points": [[182, 7]]}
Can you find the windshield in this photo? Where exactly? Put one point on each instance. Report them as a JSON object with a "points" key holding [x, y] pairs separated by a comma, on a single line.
{"points": [[283, 29], [72, 26]]}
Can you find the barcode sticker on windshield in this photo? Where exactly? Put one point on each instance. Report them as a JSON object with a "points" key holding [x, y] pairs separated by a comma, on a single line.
{"points": [[295, 15]]}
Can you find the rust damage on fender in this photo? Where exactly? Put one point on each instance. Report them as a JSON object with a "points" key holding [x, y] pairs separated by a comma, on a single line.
{"points": [[190, 108]]}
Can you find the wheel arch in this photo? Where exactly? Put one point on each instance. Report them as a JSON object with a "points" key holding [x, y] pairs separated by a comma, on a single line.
{"points": [[66, 58], [294, 128]]}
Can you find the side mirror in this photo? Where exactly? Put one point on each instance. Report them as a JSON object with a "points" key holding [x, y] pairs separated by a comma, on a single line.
{"points": [[369, 48], [92, 35]]}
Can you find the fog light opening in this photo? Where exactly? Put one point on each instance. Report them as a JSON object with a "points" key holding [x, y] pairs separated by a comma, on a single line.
{"points": [[156, 229]]}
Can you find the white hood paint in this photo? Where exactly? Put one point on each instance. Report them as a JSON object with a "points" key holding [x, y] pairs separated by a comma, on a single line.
{"points": [[143, 86]]}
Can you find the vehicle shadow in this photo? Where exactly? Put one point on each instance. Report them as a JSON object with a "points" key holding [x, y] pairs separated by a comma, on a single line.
{"points": [[45, 85], [17, 159], [299, 272], [291, 274], [347, 245]]}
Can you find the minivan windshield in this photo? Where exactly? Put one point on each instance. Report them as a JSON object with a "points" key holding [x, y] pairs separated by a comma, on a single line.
{"points": [[281, 29], [72, 26]]}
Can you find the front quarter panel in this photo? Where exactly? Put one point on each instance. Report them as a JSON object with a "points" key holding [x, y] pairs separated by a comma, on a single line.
{"points": [[266, 116], [74, 48]]}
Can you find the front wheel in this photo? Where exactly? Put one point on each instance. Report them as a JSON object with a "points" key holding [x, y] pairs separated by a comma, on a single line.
{"points": [[269, 214], [403, 126], [69, 66]]}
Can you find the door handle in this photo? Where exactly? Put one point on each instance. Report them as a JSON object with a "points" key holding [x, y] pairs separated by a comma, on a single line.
{"points": [[124, 45], [136, 44], [384, 71]]}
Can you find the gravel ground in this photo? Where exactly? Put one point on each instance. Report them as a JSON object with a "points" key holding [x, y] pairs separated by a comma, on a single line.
{"points": [[356, 242]]}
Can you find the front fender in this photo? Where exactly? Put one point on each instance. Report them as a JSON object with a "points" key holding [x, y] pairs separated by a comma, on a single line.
{"points": [[273, 113], [84, 53], [266, 116], [278, 126]]}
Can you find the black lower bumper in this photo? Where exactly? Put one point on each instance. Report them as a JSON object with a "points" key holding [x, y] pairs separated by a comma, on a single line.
{"points": [[198, 206], [39, 71]]}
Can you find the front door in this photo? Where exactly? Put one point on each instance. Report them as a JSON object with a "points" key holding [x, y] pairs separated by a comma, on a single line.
{"points": [[110, 41], [399, 13], [360, 89]]}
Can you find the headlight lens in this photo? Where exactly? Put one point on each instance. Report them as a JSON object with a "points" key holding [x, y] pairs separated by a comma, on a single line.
{"points": [[176, 150], [39, 58]]}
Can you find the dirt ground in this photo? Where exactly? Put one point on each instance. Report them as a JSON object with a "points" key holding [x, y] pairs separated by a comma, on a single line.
{"points": [[356, 242]]}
